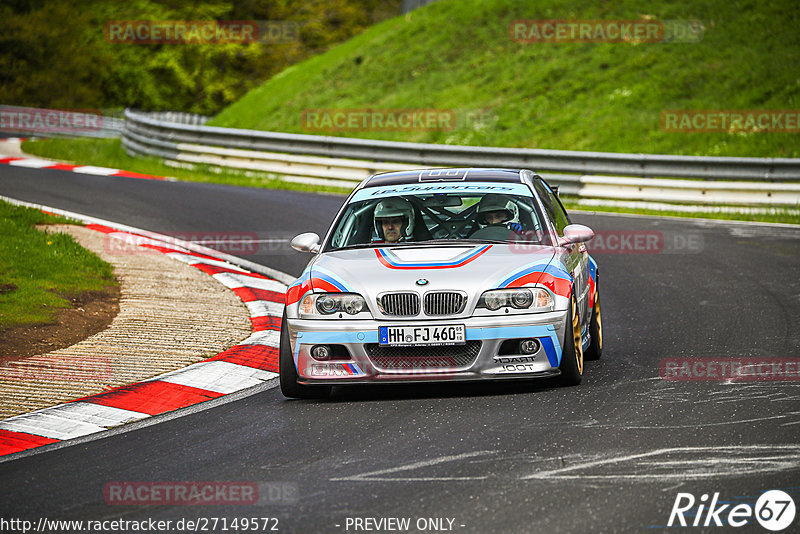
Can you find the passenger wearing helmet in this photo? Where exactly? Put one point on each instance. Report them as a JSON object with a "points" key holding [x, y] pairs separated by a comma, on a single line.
{"points": [[394, 220]]}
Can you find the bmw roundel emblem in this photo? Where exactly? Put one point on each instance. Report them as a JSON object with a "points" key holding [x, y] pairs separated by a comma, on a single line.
{"points": [[422, 282]]}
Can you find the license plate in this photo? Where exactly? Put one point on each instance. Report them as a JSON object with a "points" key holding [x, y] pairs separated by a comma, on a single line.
{"points": [[448, 334]]}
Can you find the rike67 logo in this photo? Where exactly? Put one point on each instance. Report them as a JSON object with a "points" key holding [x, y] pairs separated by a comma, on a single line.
{"points": [[774, 510]]}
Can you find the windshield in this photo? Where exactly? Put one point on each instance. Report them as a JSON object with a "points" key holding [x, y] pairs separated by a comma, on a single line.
{"points": [[414, 215]]}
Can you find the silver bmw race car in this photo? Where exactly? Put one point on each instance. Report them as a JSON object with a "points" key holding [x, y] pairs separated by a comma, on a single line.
{"points": [[442, 275]]}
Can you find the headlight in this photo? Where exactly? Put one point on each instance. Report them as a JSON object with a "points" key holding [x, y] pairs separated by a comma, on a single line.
{"points": [[519, 298], [330, 303]]}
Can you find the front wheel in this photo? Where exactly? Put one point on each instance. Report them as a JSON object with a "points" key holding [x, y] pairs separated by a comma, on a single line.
{"points": [[288, 372], [572, 356]]}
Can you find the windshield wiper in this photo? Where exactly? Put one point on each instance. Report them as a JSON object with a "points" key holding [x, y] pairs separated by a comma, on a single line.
{"points": [[362, 245], [460, 241], [376, 245], [438, 242]]}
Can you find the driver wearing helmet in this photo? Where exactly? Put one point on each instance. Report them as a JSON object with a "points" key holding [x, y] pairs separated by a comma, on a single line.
{"points": [[494, 210], [394, 220]]}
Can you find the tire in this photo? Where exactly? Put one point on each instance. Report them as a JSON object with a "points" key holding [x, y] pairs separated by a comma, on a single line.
{"points": [[572, 356], [595, 349], [288, 372]]}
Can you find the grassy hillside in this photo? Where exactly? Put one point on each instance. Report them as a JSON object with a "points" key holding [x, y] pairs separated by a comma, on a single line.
{"points": [[457, 55]]}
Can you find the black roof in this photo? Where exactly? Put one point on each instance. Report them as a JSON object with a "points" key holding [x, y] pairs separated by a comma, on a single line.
{"points": [[444, 175]]}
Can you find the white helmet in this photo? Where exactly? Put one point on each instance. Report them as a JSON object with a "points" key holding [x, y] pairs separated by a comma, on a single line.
{"points": [[394, 207], [494, 202]]}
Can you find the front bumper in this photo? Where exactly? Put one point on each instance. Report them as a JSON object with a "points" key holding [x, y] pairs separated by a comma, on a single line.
{"points": [[360, 364]]}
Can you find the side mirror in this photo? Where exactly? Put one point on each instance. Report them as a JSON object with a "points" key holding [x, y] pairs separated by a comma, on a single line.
{"points": [[308, 242], [576, 233]]}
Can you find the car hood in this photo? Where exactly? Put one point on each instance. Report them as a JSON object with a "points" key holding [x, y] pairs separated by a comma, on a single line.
{"points": [[469, 268]]}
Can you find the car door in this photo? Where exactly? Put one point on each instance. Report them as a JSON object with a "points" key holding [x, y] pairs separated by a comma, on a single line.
{"points": [[574, 257]]}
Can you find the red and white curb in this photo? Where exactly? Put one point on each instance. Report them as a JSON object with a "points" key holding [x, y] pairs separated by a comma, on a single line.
{"points": [[247, 364], [38, 163]]}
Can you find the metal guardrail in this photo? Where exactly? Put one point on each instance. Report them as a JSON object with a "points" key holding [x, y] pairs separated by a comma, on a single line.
{"points": [[344, 161], [644, 165]]}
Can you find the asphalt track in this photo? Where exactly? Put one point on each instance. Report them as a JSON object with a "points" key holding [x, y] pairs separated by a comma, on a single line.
{"points": [[608, 456]]}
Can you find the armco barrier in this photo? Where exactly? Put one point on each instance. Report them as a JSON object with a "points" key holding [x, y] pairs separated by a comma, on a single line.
{"points": [[345, 161]]}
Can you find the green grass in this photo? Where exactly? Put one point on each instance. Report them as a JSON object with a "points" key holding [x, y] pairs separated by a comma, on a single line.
{"points": [[40, 271], [781, 215], [110, 153], [457, 55]]}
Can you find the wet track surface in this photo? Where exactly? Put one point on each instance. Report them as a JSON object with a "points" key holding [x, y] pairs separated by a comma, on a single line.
{"points": [[610, 455]]}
